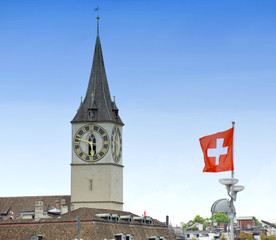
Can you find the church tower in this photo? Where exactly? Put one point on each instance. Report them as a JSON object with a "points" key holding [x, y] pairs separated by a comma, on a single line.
{"points": [[96, 168]]}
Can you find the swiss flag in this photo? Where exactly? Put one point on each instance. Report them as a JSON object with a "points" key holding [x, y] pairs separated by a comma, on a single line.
{"points": [[218, 151]]}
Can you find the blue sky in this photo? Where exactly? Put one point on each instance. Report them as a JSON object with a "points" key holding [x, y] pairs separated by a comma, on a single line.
{"points": [[180, 70]]}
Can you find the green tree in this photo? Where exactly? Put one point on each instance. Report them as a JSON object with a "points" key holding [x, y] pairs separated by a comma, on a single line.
{"points": [[199, 219], [220, 218], [257, 222], [186, 226]]}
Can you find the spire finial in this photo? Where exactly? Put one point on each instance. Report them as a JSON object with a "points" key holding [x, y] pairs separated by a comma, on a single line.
{"points": [[97, 9]]}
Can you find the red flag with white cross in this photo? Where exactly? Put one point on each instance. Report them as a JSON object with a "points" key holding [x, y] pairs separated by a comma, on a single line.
{"points": [[218, 151]]}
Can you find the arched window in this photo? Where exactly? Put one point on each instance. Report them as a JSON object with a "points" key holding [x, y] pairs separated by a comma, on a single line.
{"points": [[93, 140]]}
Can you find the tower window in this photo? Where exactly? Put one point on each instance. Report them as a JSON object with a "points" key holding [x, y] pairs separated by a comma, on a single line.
{"points": [[91, 184]]}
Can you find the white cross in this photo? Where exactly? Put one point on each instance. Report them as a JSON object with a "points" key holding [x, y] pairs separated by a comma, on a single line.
{"points": [[218, 151]]}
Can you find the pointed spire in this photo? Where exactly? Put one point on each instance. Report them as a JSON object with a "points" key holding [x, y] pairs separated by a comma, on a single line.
{"points": [[97, 105]]}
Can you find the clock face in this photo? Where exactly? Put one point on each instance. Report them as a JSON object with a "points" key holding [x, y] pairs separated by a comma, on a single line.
{"points": [[116, 144], [91, 143]]}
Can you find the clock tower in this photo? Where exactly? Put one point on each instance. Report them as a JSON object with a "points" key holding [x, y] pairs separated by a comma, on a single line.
{"points": [[96, 167]]}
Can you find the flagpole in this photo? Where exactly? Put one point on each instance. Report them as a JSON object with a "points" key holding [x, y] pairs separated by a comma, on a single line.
{"points": [[232, 232], [232, 172]]}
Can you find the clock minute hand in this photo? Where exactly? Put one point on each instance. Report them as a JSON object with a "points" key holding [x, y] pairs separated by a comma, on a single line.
{"points": [[85, 141]]}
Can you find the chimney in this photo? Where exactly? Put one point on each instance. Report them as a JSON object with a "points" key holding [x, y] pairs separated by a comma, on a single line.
{"points": [[57, 204], [64, 207], [38, 209], [167, 220]]}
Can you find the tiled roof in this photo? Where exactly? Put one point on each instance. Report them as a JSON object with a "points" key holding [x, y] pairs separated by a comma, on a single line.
{"points": [[19, 204], [92, 227], [90, 214]]}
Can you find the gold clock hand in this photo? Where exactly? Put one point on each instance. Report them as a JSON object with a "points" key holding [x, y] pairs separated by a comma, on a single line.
{"points": [[91, 144], [84, 141], [92, 151], [116, 148]]}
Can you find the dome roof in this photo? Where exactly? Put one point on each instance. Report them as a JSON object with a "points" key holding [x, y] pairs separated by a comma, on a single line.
{"points": [[221, 205]]}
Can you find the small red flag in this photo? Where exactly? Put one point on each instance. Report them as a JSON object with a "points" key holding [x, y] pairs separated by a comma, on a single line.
{"points": [[218, 151], [145, 213]]}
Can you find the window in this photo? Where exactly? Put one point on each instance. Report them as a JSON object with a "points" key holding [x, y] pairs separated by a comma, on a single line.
{"points": [[120, 236], [36, 237], [91, 184]]}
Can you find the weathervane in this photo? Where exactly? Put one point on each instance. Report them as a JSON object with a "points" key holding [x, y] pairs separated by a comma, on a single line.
{"points": [[97, 9]]}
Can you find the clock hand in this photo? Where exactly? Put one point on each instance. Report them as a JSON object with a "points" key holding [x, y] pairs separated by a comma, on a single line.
{"points": [[116, 149], [91, 144], [84, 141], [92, 151]]}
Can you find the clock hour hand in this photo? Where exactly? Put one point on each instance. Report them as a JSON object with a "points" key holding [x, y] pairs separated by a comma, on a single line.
{"points": [[92, 151]]}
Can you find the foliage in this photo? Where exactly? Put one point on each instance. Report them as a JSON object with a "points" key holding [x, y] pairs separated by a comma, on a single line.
{"points": [[205, 224], [242, 235], [185, 226], [223, 237], [220, 218], [262, 236], [257, 222], [199, 219], [193, 238], [247, 236]]}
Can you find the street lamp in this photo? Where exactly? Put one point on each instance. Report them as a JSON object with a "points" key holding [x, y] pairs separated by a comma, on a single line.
{"points": [[232, 193]]}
